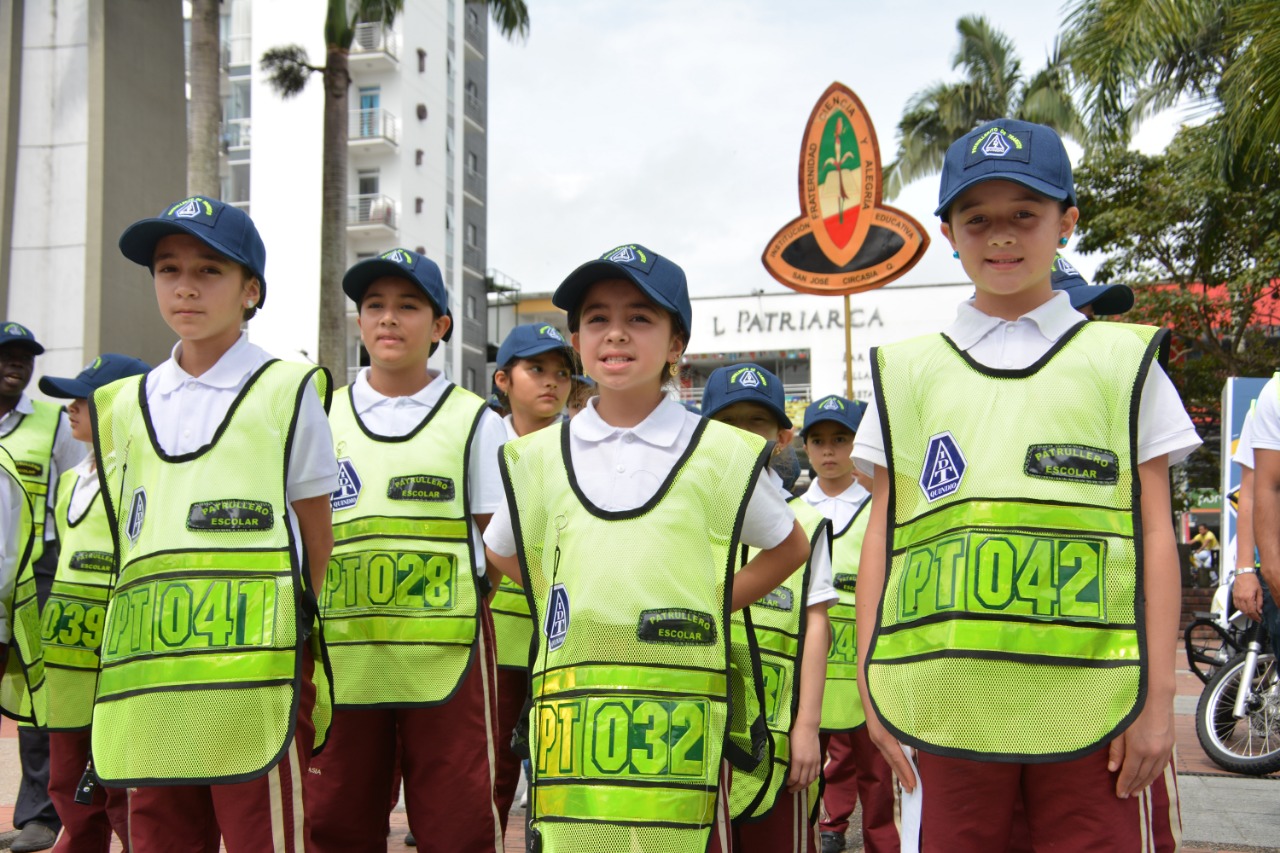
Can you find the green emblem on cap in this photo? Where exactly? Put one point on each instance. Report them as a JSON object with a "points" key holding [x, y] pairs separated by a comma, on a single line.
{"points": [[832, 404], [94, 365], [996, 142], [190, 207], [748, 377], [15, 329], [399, 256], [551, 332], [622, 254]]}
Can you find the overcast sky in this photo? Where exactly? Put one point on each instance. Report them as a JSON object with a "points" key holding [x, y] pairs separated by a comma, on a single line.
{"points": [[678, 124]]}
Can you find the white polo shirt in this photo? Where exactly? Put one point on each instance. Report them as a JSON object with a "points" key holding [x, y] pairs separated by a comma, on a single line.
{"points": [[187, 410], [1163, 424], [1244, 447], [66, 452], [11, 499], [839, 508], [620, 468], [85, 490], [397, 416], [821, 589], [1266, 419]]}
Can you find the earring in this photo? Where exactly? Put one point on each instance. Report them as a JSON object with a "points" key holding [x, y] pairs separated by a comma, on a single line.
{"points": [[1062, 241], [674, 369], [955, 254]]}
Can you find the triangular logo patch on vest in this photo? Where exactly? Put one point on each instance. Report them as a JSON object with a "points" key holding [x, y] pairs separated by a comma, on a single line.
{"points": [[137, 512], [557, 623], [348, 491], [944, 467]]}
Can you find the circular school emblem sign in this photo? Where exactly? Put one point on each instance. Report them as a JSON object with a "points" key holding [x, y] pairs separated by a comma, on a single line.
{"points": [[845, 240]]}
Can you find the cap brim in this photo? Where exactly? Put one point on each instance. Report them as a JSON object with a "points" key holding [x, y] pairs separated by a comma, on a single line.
{"points": [[826, 416], [536, 349], [571, 291], [65, 389], [138, 244], [729, 398], [1035, 184], [1105, 299], [25, 343]]}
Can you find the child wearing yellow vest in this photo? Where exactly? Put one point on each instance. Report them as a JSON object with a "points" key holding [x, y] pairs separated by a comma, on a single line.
{"points": [[623, 525], [1019, 585], [216, 469], [533, 379], [407, 625], [74, 617], [772, 804]]}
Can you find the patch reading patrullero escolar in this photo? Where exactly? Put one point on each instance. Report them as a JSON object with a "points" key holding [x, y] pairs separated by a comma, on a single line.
{"points": [[230, 515], [1074, 463], [420, 487], [676, 625]]}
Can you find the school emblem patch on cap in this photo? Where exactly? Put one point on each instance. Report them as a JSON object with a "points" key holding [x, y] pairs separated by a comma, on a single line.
{"points": [[17, 330], [631, 255], [1064, 266], [349, 485], [551, 332], [944, 467], [196, 208], [398, 256], [556, 626], [832, 404], [749, 377], [998, 142]]}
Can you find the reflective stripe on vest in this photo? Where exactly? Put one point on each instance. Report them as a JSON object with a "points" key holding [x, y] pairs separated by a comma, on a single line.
{"points": [[30, 443], [780, 623], [76, 611], [631, 679], [1013, 546], [512, 625], [201, 651], [22, 685], [400, 597], [842, 709]]}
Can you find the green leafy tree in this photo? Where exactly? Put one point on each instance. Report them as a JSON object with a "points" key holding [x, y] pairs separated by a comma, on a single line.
{"points": [[1134, 58], [1203, 258], [993, 86], [290, 69]]}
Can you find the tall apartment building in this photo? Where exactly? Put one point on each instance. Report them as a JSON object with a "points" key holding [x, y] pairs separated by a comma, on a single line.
{"points": [[416, 161]]}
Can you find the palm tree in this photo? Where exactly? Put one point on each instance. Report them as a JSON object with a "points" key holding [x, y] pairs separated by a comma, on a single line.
{"points": [[1133, 58], [993, 87], [206, 104], [289, 70]]}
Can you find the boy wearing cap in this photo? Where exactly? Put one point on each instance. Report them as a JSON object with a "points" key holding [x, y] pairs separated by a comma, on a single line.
{"points": [[854, 767], [1091, 300], [74, 616], [216, 469], [1020, 549], [36, 434], [408, 627], [533, 378], [771, 804]]}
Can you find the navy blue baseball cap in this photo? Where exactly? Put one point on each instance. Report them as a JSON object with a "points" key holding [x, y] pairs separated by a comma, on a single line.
{"points": [[103, 370], [660, 279], [401, 263], [18, 334], [226, 229], [843, 411], [1009, 150], [745, 383], [1106, 299], [529, 340]]}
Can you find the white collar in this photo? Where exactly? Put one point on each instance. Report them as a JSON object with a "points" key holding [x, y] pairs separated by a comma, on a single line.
{"points": [[1052, 319], [228, 372], [660, 428], [510, 424], [365, 397], [855, 495], [24, 405], [776, 479]]}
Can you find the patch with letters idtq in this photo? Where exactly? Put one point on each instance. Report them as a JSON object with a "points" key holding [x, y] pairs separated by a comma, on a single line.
{"points": [[420, 487], [231, 515], [556, 625], [678, 626], [1073, 463]]}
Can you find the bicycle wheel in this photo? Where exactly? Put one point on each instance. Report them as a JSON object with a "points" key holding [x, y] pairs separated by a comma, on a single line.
{"points": [[1250, 745]]}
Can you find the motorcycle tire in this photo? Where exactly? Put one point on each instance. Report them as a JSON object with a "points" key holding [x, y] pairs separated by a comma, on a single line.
{"points": [[1249, 746]]}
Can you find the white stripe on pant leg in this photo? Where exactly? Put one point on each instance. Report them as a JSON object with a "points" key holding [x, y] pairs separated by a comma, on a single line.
{"points": [[722, 807], [1144, 820], [277, 809], [1175, 804], [491, 751], [295, 778]]}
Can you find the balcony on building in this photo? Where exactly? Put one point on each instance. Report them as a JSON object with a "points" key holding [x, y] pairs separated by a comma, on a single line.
{"points": [[374, 131], [236, 138], [237, 54], [473, 184], [371, 215], [473, 105], [476, 31], [373, 49]]}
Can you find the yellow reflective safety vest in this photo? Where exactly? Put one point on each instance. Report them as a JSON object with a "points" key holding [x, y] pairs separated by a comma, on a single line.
{"points": [[202, 648], [779, 622], [1011, 626], [401, 599], [512, 625], [76, 611], [630, 676], [22, 684], [30, 443], [841, 704]]}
